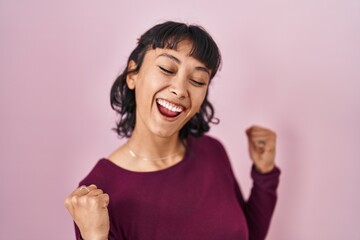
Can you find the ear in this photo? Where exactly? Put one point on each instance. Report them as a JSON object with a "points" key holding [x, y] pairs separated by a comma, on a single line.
{"points": [[131, 77]]}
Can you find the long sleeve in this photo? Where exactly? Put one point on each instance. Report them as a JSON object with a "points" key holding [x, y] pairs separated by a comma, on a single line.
{"points": [[77, 233], [260, 206]]}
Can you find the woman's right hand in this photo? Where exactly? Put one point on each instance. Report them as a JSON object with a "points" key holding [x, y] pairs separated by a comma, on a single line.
{"points": [[88, 207]]}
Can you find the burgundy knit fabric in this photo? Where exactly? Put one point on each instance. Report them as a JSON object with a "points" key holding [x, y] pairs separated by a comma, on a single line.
{"points": [[198, 198]]}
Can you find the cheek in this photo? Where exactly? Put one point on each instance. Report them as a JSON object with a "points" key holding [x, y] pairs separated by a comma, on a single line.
{"points": [[152, 81], [198, 99], [146, 89]]}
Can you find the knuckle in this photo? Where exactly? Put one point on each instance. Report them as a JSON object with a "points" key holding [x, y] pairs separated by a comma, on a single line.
{"points": [[106, 197], [73, 200], [93, 201], [67, 202], [84, 200], [105, 200]]}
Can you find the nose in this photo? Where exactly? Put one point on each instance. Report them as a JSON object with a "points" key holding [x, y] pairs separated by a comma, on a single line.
{"points": [[178, 87]]}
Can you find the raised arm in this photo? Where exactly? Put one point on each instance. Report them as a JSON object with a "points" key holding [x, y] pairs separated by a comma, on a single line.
{"points": [[260, 206]]}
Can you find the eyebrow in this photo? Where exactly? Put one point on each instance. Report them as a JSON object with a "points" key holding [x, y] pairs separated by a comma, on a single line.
{"points": [[175, 59]]}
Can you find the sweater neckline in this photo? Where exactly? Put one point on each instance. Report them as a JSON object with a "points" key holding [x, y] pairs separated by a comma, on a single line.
{"points": [[161, 171]]}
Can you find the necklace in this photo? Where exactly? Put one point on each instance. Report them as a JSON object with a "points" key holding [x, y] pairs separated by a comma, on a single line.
{"points": [[136, 156]]}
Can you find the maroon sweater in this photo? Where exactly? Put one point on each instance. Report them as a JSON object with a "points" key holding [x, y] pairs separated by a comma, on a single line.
{"points": [[198, 198]]}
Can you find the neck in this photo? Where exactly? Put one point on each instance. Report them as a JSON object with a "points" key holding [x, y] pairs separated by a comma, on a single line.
{"points": [[155, 147]]}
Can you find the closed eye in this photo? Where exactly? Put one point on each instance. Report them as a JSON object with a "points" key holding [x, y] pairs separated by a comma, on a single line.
{"points": [[166, 70], [197, 83]]}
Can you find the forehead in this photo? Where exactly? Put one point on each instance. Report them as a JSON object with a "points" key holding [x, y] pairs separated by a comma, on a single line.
{"points": [[169, 36], [182, 53]]}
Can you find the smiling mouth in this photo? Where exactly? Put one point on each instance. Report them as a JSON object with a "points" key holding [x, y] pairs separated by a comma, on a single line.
{"points": [[169, 109]]}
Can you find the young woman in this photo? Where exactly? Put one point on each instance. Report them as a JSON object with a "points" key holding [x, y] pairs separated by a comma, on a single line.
{"points": [[170, 180]]}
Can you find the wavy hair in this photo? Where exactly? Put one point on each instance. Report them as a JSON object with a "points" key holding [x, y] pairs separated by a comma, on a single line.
{"points": [[166, 35]]}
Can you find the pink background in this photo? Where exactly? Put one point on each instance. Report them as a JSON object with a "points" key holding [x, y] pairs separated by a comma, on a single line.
{"points": [[292, 66]]}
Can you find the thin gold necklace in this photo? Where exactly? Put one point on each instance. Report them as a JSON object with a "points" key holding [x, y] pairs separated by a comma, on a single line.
{"points": [[136, 156]]}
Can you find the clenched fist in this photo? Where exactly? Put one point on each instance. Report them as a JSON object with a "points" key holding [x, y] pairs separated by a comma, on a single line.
{"points": [[262, 146], [88, 208]]}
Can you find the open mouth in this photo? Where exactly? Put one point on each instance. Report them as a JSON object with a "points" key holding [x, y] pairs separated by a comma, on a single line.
{"points": [[169, 109]]}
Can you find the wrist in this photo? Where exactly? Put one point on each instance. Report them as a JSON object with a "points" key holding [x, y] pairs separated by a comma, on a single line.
{"points": [[94, 237], [264, 169]]}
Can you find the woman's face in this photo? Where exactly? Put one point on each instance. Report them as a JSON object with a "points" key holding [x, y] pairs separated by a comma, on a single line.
{"points": [[169, 89]]}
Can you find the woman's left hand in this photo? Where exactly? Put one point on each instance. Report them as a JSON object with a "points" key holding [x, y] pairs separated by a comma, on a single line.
{"points": [[262, 146]]}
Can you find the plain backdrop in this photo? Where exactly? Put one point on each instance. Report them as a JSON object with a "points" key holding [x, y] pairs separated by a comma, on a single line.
{"points": [[292, 66]]}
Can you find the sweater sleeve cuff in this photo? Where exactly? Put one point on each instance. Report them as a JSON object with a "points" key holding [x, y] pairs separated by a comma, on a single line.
{"points": [[266, 181]]}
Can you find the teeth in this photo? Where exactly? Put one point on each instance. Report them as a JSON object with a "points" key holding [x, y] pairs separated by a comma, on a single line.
{"points": [[169, 106]]}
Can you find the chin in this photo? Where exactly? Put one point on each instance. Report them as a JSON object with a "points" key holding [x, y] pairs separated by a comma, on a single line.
{"points": [[165, 131], [162, 133]]}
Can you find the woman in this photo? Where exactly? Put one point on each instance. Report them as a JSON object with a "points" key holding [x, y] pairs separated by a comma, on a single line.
{"points": [[169, 180]]}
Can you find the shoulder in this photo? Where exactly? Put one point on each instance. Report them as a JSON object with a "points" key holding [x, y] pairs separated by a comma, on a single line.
{"points": [[210, 151], [98, 174], [205, 141], [207, 146]]}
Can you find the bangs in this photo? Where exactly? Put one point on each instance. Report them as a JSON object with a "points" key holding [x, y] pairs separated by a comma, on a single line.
{"points": [[204, 48]]}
